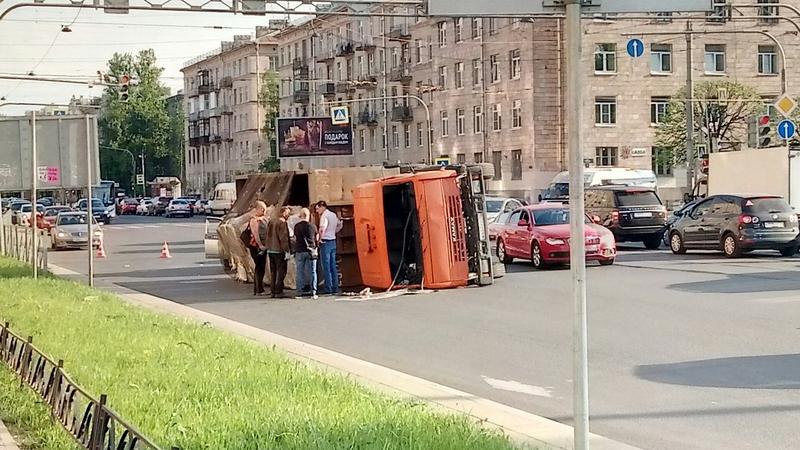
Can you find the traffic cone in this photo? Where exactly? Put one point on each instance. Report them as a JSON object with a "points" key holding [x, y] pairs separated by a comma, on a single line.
{"points": [[165, 251], [101, 252]]}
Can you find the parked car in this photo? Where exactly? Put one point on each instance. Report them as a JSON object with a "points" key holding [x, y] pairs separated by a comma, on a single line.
{"points": [[736, 224], [676, 214], [191, 200], [541, 234], [46, 201], [496, 224], [223, 199], [41, 224], [179, 207], [631, 213], [129, 206], [498, 205], [51, 214], [145, 207], [70, 231], [161, 204], [200, 206], [99, 210], [15, 207], [24, 213]]}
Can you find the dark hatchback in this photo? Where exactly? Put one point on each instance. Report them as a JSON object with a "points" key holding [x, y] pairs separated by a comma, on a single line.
{"points": [[737, 224], [633, 214]]}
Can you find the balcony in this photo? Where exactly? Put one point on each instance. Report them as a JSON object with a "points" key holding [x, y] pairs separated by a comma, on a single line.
{"points": [[368, 118], [216, 139], [226, 109], [399, 33], [327, 89], [203, 114], [326, 56], [367, 82], [197, 141], [401, 74], [365, 46], [402, 113], [205, 88], [300, 96], [226, 83], [345, 49], [345, 87], [299, 64], [193, 117]]}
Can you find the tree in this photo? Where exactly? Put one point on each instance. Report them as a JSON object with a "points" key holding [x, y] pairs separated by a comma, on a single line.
{"points": [[141, 125], [269, 100], [720, 121]]}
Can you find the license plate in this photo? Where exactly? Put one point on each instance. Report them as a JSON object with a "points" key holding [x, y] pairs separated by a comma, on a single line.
{"points": [[592, 248], [643, 214], [773, 224]]}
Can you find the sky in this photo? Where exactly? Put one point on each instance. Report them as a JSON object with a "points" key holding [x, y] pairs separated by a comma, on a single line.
{"points": [[31, 40]]}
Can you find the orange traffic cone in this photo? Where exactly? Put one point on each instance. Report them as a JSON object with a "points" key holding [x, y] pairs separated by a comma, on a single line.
{"points": [[101, 252], [165, 251]]}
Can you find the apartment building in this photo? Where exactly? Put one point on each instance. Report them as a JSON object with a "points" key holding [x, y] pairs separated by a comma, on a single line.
{"points": [[223, 117], [625, 98]]}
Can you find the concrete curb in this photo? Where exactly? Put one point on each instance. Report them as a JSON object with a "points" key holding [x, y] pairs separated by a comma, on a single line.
{"points": [[6, 441], [522, 427]]}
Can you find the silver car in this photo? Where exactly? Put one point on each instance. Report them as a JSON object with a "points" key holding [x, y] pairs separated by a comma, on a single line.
{"points": [[70, 231]]}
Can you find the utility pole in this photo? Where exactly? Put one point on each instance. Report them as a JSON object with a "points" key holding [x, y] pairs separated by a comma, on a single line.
{"points": [[690, 152], [144, 177], [89, 202], [34, 179]]}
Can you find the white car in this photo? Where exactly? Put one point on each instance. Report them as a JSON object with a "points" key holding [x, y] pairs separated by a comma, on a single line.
{"points": [[145, 207], [499, 205], [200, 206], [24, 214], [71, 231], [179, 207]]}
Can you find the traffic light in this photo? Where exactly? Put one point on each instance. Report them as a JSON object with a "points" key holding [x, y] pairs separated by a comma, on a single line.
{"points": [[124, 86], [704, 165]]}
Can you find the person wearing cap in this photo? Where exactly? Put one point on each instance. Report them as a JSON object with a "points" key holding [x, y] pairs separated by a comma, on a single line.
{"points": [[329, 225]]}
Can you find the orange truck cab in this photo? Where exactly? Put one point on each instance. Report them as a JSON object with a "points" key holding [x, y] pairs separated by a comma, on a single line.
{"points": [[420, 230]]}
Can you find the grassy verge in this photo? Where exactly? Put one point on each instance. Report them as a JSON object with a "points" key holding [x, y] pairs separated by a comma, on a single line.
{"points": [[195, 387]]}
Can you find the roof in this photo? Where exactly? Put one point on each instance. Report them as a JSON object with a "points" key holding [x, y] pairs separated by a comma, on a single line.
{"points": [[552, 205], [620, 187]]}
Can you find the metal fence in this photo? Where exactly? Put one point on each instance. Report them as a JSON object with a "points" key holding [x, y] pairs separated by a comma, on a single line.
{"points": [[18, 242], [93, 424]]}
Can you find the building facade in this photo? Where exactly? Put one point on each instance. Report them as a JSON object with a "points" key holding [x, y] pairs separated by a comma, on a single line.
{"points": [[224, 120]]}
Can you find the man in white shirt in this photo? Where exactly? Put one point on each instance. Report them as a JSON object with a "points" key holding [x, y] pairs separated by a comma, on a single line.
{"points": [[329, 225]]}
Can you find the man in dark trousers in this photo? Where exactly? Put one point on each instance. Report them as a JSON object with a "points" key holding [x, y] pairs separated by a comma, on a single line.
{"points": [[278, 248]]}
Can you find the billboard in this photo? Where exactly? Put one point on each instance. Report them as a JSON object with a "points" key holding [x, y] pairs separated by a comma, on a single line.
{"points": [[60, 152], [313, 136]]}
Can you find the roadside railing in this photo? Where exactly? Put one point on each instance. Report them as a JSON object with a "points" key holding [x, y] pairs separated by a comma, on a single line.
{"points": [[18, 242], [88, 420]]}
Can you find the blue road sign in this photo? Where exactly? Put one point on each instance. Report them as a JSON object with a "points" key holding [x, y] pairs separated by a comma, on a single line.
{"points": [[786, 129], [635, 48], [442, 161]]}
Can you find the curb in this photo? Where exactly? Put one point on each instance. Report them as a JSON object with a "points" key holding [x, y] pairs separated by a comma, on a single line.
{"points": [[6, 441], [522, 427]]}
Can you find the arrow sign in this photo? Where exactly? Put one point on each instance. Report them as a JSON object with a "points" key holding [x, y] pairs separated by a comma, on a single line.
{"points": [[786, 129], [635, 48]]}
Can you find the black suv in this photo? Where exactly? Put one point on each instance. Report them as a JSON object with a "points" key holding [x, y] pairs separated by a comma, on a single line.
{"points": [[631, 213], [737, 224]]}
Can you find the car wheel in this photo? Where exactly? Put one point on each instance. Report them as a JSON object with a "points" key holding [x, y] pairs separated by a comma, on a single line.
{"points": [[501, 253], [730, 246], [606, 262], [789, 251], [676, 243], [536, 256], [653, 242]]}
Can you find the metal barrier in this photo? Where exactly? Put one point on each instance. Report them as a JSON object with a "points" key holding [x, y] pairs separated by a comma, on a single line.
{"points": [[89, 421], [18, 242]]}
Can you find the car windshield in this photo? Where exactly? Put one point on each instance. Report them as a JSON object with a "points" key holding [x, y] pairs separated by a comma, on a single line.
{"points": [[555, 216], [637, 198], [494, 206], [131, 202], [72, 219], [18, 206], [766, 205], [179, 202]]}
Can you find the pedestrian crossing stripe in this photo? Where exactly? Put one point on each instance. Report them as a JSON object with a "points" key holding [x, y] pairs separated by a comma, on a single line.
{"points": [[340, 115]]}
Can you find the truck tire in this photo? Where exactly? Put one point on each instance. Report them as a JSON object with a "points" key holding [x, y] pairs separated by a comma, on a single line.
{"points": [[488, 171]]}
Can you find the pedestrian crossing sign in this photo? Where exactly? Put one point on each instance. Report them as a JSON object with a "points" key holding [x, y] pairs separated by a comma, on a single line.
{"points": [[340, 115]]}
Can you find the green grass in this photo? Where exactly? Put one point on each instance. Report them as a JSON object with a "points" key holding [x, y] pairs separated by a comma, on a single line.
{"points": [[191, 386]]}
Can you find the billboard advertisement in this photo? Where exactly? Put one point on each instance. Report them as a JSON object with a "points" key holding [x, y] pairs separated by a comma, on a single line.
{"points": [[313, 136], [60, 152]]}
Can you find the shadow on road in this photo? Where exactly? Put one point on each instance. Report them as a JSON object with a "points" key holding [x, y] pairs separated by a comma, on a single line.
{"points": [[744, 372], [744, 283]]}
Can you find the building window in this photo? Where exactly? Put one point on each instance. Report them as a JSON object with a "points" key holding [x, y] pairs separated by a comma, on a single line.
{"points": [[661, 164], [442, 27], [494, 68], [515, 67], [662, 17], [516, 164], [459, 75], [497, 162], [497, 117], [492, 26], [477, 119], [362, 140], [459, 29], [443, 77], [661, 58], [767, 60], [461, 158], [395, 137], [407, 135], [383, 138], [605, 58], [476, 27], [418, 51], [445, 119], [516, 114], [476, 72], [719, 11], [460, 122], [372, 140], [658, 109], [515, 23], [768, 14], [605, 156], [605, 111], [420, 135], [715, 58], [478, 157]]}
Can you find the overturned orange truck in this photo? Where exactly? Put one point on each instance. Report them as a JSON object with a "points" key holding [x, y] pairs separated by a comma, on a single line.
{"points": [[422, 227]]}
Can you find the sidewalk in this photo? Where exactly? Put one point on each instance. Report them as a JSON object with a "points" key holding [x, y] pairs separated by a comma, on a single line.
{"points": [[6, 441]]}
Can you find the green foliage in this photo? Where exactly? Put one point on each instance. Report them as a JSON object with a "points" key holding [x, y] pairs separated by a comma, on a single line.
{"points": [[189, 385], [719, 120], [269, 100], [271, 164], [142, 125]]}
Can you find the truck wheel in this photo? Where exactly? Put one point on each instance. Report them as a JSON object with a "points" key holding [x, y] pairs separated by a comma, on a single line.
{"points": [[488, 171]]}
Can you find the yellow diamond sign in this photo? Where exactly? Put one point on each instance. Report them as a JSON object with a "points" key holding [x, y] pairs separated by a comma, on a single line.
{"points": [[785, 105]]}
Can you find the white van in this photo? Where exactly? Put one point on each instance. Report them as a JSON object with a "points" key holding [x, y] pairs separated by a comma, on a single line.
{"points": [[600, 176], [222, 200]]}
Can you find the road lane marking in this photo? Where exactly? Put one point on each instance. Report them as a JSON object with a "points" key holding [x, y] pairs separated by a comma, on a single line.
{"points": [[516, 386]]}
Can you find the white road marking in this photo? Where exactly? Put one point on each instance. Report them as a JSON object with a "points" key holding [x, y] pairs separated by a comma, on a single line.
{"points": [[151, 226], [515, 386]]}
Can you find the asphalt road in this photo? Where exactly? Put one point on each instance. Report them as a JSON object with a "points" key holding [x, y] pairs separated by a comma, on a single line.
{"points": [[686, 352]]}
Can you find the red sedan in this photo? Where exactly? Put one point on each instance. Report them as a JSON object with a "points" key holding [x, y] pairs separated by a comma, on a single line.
{"points": [[540, 234], [129, 206]]}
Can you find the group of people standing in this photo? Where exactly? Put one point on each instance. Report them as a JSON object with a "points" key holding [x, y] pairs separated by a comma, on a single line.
{"points": [[271, 240]]}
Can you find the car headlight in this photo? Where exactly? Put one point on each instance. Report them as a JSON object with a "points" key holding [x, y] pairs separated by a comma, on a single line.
{"points": [[61, 234], [555, 241]]}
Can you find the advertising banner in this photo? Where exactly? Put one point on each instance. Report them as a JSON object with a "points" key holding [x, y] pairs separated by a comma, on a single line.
{"points": [[313, 136]]}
